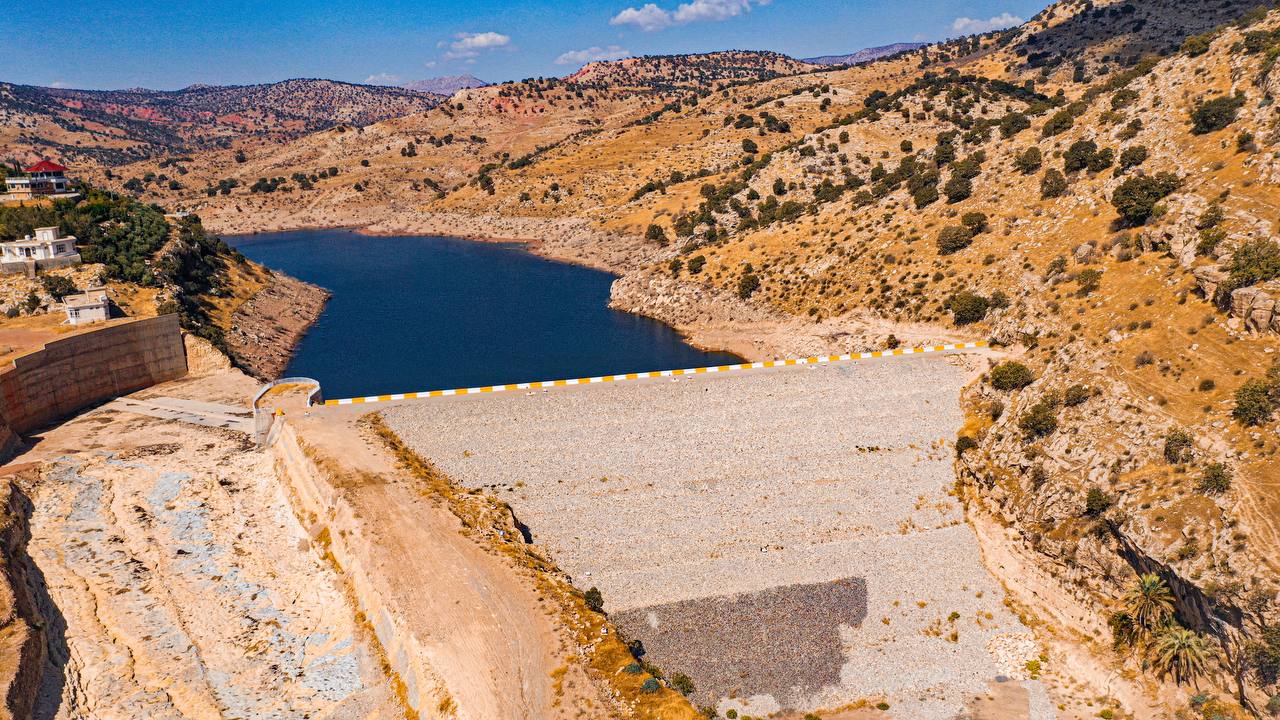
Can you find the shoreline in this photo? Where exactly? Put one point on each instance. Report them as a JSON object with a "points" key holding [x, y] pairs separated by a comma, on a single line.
{"points": [[705, 318], [309, 315]]}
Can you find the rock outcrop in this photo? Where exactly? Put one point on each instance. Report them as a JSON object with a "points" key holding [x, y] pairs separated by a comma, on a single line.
{"points": [[22, 641], [265, 330], [1258, 307]]}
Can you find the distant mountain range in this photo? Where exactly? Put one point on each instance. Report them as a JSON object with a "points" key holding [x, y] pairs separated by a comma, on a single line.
{"points": [[446, 86], [115, 126], [864, 56]]}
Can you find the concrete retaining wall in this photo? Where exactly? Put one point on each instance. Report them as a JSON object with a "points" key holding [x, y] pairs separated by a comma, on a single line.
{"points": [[77, 371], [30, 266]]}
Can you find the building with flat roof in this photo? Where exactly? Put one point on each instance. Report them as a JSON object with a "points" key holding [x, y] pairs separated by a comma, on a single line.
{"points": [[48, 249], [92, 305]]}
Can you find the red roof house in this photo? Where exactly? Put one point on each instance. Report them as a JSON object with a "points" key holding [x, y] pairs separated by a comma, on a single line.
{"points": [[45, 166]]}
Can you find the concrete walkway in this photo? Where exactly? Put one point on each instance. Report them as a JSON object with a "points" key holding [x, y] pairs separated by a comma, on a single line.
{"points": [[188, 411]]}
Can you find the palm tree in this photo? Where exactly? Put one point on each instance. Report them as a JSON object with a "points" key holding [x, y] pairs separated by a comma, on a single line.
{"points": [[1180, 652], [1149, 603]]}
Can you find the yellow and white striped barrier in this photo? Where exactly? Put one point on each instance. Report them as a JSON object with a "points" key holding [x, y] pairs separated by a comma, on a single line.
{"points": [[818, 360]]}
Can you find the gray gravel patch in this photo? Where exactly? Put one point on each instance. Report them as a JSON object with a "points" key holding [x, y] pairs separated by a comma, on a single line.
{"points": [[784, 641]]}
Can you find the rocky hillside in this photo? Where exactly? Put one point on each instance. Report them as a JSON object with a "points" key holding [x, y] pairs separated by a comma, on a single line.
{"points": [[865, 55], [114, 126], [689, 71], [445, 86], [1095, 191]]}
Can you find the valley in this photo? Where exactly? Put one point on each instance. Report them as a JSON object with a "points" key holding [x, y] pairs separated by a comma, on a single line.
{"points": [[1078, 522]]}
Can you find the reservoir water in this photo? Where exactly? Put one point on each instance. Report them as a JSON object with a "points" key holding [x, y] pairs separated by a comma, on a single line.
{"points": [[425, 313]]}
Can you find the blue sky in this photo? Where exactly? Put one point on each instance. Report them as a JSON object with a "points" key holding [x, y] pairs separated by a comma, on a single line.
{"points": [[168, 45]]}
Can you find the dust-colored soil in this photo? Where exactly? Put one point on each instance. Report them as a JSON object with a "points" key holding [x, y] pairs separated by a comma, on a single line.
{"points": [[495, 646]]}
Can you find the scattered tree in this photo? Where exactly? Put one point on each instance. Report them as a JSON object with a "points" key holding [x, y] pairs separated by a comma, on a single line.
{"points": [[1011, 375]]}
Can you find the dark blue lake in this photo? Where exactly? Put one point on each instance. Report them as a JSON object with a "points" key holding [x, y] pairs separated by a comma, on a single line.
{"points": [[425, 313]]}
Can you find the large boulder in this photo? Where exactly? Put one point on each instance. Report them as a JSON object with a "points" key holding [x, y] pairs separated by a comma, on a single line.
{"points": [[1182, 242], [1209, 278], [1257, 306]]}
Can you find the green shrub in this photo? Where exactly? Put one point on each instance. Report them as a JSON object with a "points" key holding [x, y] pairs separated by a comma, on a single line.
{"points": [[655, 233], [1029, 160], [696, 264], [1197, 45], [1133, 156], [1102, 160], [749, 146], [1177, 446], [1123, 98], [958, 188], [747, 285], [968, 307], [650, 685], [1136, 197], [1256, 261], [683, 684], [1216, 114], [1076, 395], [976, 222], [1052, 185], [1088, 280], [1040, 419], [1096, 502], [1256, 400], [1013, 123], [1059, 123], [1077, 156], [633, 669], [1215, 480], [964, 444], [57, 286], [594, 600], [953, 239], [1011, 375]]}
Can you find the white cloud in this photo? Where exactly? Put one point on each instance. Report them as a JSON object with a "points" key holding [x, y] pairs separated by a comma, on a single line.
{"points": [[650, 17], [382, 79], [58, 84], [970, 26], [592, 54], [469, 45]]}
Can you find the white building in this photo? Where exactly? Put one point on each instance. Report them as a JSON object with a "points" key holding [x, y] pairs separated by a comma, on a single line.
{"points": [[89, 306], [46, 249]]}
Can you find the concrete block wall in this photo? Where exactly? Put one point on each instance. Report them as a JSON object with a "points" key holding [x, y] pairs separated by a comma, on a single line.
{"points": [[75, 372]]}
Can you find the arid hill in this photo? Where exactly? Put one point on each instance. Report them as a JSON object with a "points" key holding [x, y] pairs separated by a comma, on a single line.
{"points": [[445, 86], [114, 126]]}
